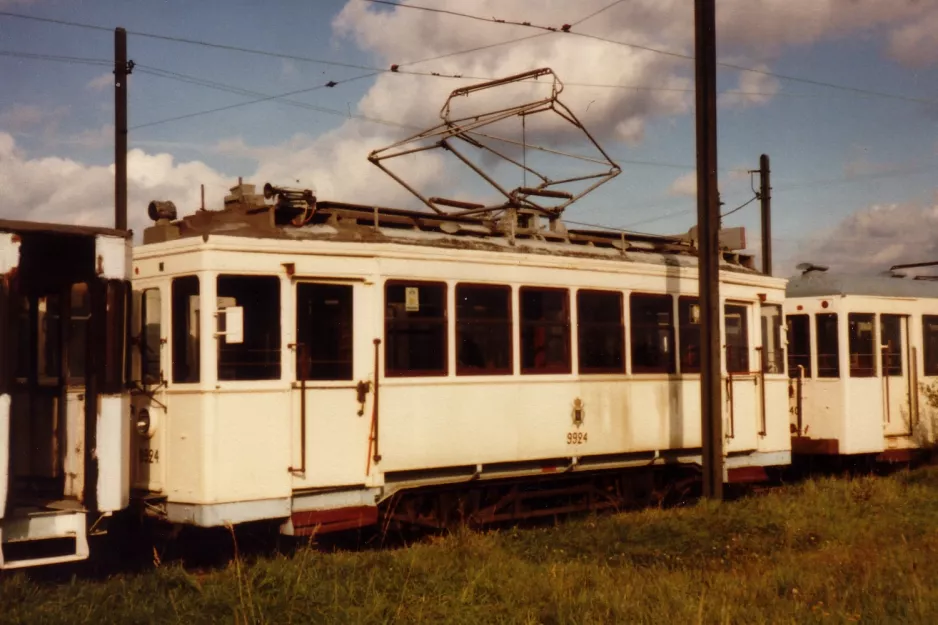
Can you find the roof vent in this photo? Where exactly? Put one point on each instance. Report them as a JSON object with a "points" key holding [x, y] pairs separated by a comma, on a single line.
{"points": [[806, 268]]}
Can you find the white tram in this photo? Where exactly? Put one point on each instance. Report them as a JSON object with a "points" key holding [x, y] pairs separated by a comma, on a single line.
{"points": [[862, 353], [315, 374], [64, 409]]}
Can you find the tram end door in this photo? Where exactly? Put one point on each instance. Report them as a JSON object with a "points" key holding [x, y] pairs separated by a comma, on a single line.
{"points": [[148, 399], [898, 371], [742, 386]]}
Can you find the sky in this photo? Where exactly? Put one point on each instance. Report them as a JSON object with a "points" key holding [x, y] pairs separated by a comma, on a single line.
{"points": [[844, 102]]}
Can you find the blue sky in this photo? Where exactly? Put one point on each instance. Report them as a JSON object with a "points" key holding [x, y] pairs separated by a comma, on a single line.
{"points": [[824, 143]]}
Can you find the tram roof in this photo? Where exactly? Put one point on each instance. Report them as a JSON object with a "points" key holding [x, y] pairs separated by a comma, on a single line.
{"points": [[25, 227], [347, 222], [821, 283]]}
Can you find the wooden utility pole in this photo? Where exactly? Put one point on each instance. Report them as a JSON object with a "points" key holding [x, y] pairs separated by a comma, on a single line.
{"points": [[708, 232], [765, 196], [121, 70]]}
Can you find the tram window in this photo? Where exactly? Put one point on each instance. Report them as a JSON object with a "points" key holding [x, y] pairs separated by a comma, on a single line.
{"points": [[22, 355], [930, 342], [828, 346], [78, 324], [890, 331], [652, 321], [185, 329], [688, 313], [151, 337], [4, 338], [258, 356], [736, 327], [545, 330], [600, 332], [799, 345], [115, 334], [862, 345], [773, 354], [50, 349], [324, 330], [483, 329], [415, 328]]}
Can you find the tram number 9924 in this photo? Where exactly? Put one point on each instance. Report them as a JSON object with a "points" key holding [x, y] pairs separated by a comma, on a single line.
{"points": [[576, 438], [148, 456]]}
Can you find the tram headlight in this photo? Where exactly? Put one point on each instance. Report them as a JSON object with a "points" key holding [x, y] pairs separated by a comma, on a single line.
{"points": [[143, 422]]}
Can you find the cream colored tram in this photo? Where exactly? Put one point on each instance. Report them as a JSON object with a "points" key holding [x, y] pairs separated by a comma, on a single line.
{"points": [[308, 373], [862, 353]]}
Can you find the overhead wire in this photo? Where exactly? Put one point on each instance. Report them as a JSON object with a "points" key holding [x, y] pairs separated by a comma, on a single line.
{"points": [[59, 58], [566, 28]]}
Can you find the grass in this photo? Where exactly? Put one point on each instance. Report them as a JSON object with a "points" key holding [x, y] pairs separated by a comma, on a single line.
{"points": [[840, 551]]}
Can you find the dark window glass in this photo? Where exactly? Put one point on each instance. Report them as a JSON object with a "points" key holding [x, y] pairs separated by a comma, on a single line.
{"points": [[799, 345], [773, 353], [930, 341], [688, 312], [78, 325], [5, 343], [115, 315], [151, 337], [652, 322], [23, 355], [185, 329], [600, 332], [324, 331], [483, 329], [258, 356], [828, 346], [415, 328], [862, 344], [890, 331], [736, 327], [545, 330]]}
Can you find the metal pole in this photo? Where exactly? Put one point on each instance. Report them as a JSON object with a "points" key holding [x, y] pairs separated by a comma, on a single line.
{"points": [[708, 230], [121, 70], [765, 195]]}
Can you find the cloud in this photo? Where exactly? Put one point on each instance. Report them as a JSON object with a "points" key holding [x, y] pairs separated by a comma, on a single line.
{"points": [[68, 191], [100, 83], [753, 89], [684, 186], [873, 239], [21, 117], [915, 43]]}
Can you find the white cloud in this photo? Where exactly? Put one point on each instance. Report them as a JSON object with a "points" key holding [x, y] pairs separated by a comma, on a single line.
{"points": [[685, 185], [753, 89], [875, 238], [21, 117], [100, 83], [68, 191]]}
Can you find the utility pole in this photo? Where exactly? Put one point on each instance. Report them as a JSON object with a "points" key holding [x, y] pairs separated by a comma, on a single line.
{"points": [[708, 232], [765, 196], [121, 70]]}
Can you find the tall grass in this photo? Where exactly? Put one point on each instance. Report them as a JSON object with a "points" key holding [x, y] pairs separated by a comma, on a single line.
{"points": [[862, 550]]}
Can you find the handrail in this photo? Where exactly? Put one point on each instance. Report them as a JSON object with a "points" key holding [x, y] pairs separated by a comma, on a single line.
{"points": [[303, 374], [373, 434]]}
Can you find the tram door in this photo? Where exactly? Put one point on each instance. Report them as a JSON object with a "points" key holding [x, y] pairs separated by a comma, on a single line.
{"points": [[741, 385], [896, 371], [334, 384]]}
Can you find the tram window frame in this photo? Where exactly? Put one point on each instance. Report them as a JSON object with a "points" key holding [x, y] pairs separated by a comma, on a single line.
{"points": [[830, 341], [556, 330], [330, 355], [79, 326], [857, 370], [490, 332], [115, 333], [891, 363], [773, 360], [930, 344], [736, 349], [399, 357], [186, 346], [150, 342], [688, 333], [258, 356], [642, 330], [597, 327], [797, 357]]}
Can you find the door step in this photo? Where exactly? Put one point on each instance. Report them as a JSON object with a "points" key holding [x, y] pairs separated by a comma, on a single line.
{"points": [[42, 537]]}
